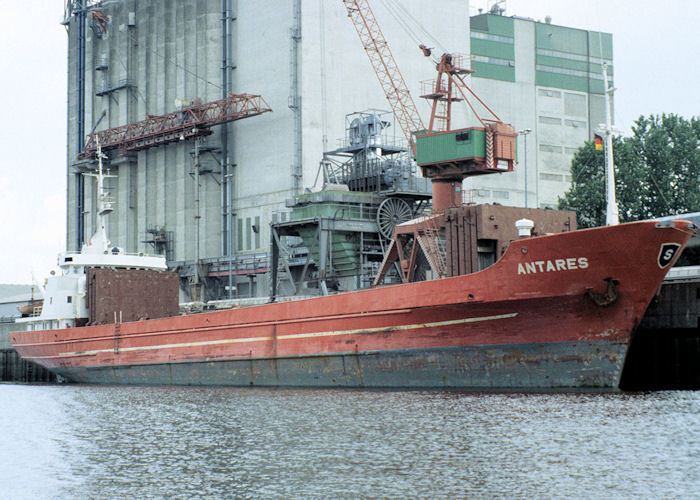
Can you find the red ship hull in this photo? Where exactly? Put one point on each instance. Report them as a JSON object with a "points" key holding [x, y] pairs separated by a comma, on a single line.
{"points": [[555, 311]]}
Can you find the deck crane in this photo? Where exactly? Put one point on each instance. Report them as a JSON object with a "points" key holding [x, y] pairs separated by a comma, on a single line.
{"points": [[190, 121], [446, 155]]}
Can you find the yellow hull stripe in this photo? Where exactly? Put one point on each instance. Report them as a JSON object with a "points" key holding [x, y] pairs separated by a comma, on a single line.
{"points": [[293, 336]]}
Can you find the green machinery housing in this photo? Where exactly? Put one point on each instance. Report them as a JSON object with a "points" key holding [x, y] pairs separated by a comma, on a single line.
{"points": [[334, 236]]}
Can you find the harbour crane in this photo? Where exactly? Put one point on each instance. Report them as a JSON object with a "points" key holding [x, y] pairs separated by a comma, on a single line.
{"points": [[385, 67], [445, 155], [194, 120], [445, 160]]}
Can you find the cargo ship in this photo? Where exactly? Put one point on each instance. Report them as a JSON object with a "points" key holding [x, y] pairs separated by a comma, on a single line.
{"points": [[552, 311], [556, 311], [486, 296]]}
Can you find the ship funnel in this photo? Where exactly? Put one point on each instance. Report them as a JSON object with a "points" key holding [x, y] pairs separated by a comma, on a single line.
{"points": [[524, 227]]}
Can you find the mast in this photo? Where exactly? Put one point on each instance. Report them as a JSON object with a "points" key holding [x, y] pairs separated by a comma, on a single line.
{"points": [[99, 242], [612, 214]]}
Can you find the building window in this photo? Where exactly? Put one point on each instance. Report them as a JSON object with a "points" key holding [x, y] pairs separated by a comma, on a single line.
{"points": [[501, 194], [547, 148], [463, 136], [574, 123], [489, 36], [569, 72], [550, 177], [547, 120], [572, 57], [69, 299], [549, 93], [257, 231], [493, 60], [575, 104]]}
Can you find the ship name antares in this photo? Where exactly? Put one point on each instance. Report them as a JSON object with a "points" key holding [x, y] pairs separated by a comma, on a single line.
{"points": [[546, 266]]}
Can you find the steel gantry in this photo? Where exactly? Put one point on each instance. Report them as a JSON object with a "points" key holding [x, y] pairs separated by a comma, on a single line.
{"points": [[187, 122]]}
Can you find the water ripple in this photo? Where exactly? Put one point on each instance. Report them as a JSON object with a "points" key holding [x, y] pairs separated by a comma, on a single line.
{"points": [[157, 442]]}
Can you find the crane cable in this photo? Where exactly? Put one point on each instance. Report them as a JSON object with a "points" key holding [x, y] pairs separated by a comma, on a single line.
{"points": [[414, 29]]}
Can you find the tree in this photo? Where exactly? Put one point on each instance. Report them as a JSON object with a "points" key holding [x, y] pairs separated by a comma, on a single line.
{"points": [[657, 172]]}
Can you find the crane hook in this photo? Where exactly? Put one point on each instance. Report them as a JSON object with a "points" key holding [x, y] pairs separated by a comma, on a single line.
{"points": [[426, 51]]}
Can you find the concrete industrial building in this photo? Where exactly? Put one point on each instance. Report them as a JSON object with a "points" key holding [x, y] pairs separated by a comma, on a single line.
{"points": [[129, 60], [547, 79]]}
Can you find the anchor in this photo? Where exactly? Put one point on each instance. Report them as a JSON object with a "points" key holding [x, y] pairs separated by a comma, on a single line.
{"points": [[604, 300]]}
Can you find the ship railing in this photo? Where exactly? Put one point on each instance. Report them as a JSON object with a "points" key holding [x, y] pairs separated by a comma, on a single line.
{"points": [[189, 307], [34, 312], [377, 141], [238, 263], [281, 216], [335, 211], [423, 219], [468, 196], [127, 254]]}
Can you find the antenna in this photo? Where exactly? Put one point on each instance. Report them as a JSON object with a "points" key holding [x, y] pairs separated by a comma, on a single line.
{"points": [[497, 9]]}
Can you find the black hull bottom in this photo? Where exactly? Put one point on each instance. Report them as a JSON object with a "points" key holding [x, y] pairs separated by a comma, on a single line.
{"points": [[564, 365]]}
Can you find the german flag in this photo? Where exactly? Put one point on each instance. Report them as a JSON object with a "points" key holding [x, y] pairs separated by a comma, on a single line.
{"points": [[598, 140]]}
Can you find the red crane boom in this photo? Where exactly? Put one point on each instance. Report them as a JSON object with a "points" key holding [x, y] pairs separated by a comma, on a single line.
{"points": [[385, 66], [189, 121]]}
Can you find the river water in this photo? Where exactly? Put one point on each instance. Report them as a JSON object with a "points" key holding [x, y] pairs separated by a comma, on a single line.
{"points": [[72, 441]]}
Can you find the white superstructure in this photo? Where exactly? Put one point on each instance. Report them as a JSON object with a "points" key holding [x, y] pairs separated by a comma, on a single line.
{"points": [[65, 302]]}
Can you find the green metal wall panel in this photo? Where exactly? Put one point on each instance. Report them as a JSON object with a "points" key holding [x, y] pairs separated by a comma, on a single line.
{"points": [[558, 47], [501, 29], [595, 39], [493, 71], [549, 36], [344, 255], [557, 80], [559, 62], [597, 69], [479, 23], [445, 147], [498, 25], [492, 49], [345, 211], [596, 86], [571, 50]]}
